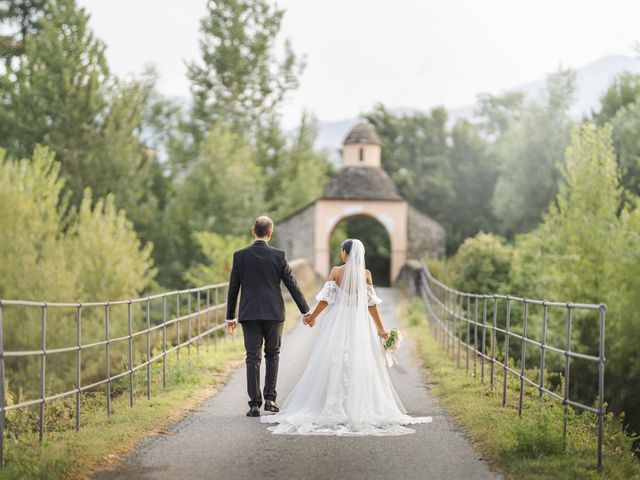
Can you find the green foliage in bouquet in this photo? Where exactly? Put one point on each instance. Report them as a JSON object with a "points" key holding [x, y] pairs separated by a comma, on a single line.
{"points": [[392, 339]]}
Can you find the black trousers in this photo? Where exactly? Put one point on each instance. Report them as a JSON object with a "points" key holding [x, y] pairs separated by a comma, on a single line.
{"points": [[257, 332]]}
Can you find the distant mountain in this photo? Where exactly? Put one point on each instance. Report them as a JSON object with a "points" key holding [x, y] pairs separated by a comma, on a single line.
{"points": [[592, 80]]}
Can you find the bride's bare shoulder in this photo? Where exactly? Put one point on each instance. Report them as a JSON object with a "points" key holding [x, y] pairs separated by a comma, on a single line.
{"points": [[369, 277], [336, 273]]}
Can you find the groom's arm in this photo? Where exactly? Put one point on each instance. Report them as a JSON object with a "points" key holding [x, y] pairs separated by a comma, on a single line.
{"points": [[292, 285], [234, 290]]}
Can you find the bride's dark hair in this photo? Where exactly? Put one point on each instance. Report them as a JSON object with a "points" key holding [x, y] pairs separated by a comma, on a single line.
{"points": [[346, 246]]}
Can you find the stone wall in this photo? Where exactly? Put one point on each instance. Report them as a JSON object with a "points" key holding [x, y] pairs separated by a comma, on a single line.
{"points": [[425, 235], [409, 278], [295, 234]]}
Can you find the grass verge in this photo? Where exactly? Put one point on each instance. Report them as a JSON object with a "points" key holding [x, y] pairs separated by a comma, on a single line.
{"points": [[526, 447], [101, 441]]}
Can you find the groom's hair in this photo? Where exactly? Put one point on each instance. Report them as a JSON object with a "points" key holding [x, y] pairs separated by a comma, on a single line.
{"points": [[263, 226]]}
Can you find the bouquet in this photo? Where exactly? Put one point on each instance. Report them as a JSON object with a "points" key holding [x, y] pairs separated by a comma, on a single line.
{"points": [[390, 345]]}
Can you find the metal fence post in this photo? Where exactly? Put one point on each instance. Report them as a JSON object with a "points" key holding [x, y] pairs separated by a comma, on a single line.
{"points": [[225, 294], [543, 344], [148, 323], [106, 358], [164, 341], [445, 327], [215, 319], [602, 313], [567, 366], [467, 320], [43, 363], [130, 352], [523, 357], [177, 331], [493, 339], [198, 322], [506, 351], [475, 336], [78, 362], [208, 318], [2, 393], [484, 335], [460, 317], [189, 329]]}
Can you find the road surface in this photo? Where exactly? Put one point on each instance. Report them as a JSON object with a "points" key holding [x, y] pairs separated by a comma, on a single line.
{"points": [[220, 442]]}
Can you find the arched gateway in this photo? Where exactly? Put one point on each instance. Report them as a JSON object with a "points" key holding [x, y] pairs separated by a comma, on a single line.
{"points": [[360, 188]]}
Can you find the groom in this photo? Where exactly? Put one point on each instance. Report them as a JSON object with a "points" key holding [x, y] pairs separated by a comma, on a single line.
{"points": [[258, 270]]}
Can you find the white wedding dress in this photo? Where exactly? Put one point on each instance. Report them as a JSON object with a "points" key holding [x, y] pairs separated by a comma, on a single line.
{"points": [[345, 388]]}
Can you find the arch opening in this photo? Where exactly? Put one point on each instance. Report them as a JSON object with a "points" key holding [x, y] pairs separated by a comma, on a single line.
{"points": [[376, 240]]}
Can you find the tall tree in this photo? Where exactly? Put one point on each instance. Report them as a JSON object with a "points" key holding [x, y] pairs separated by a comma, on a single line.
{"points": [[588, 250], [294, 173], [530, 153], [50, 252], [626, 140], [19, 19], [241, 80], [220, 192], [624, 90], [620, 106], [61, 94], [474, 172], [414, 152], [498, 112]]}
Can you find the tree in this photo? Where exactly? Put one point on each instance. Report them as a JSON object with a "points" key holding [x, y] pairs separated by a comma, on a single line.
{"points": [[61, 94], [414, 152], [218, 252], [473, 177], [626, 140], [241, 80], [23, 15], [623, 91], [50, 252], [498, 112], [108, 260], [220, 192], [530, 153], [54, 95], [482, 265], [294, 173], [587, 249]]}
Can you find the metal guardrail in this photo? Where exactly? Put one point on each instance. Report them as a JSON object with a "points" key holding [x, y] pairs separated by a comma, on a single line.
{"points": [[459, 318], [205, 322]]}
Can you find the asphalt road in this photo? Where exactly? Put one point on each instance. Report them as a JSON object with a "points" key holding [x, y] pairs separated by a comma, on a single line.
{"points": [[219, 442]]}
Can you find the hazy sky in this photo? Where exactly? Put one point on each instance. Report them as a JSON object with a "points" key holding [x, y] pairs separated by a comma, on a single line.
{"points": [[401, 52]]}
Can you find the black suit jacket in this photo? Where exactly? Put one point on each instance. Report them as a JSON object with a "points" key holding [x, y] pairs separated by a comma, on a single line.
{"points": [[258, 270]]}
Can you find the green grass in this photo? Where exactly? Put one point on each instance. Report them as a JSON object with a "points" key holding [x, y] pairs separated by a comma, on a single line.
{"points": [[67, 454], [527, 447]]}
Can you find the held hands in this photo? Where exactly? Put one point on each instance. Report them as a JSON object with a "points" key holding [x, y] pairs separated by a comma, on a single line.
{"points": [[309, 319]]}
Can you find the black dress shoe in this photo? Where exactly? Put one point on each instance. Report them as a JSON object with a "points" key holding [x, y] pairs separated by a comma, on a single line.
{"points": [[254, 411], [271, 406]]}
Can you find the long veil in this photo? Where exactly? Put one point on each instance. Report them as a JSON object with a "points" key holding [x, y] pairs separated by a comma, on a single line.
{"points": [[360, 335]]}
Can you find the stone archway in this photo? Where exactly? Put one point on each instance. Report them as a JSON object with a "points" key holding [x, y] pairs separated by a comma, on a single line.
{"points": [[391, 214], [377, 242]]}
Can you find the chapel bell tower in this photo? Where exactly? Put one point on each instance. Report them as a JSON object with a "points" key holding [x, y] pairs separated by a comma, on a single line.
{"points": [[362, 147]]}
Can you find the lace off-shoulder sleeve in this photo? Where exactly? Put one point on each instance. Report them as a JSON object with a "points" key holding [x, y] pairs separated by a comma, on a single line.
{"points": [[372, 297], [328, 292]]}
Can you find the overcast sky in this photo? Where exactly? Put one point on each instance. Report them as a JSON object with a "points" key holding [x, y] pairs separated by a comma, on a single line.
{"points": [[403, 53]]}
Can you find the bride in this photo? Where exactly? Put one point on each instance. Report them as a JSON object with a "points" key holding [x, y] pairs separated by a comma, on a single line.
{"points": [[345, 388]]}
